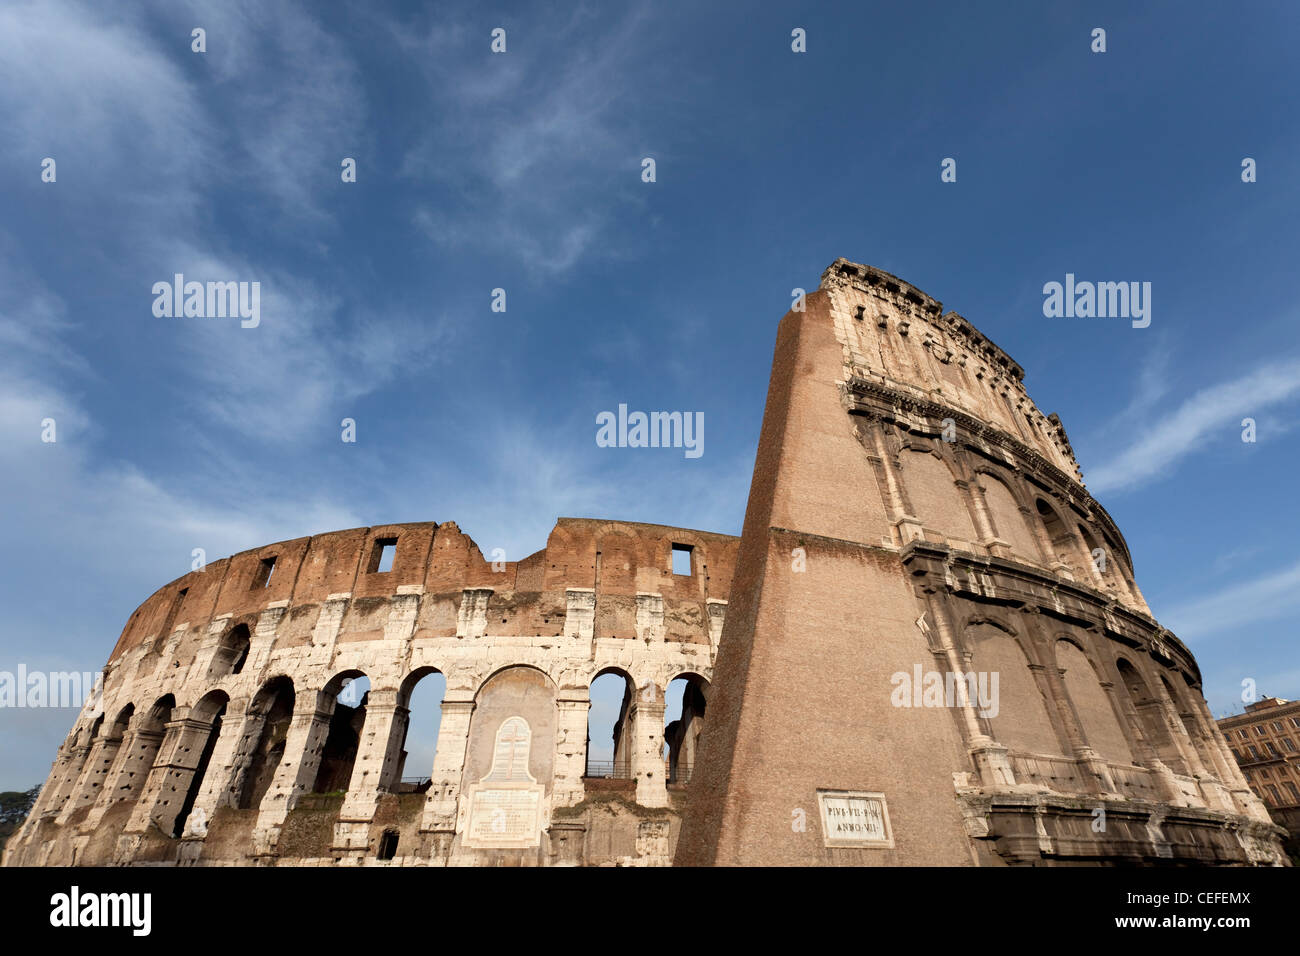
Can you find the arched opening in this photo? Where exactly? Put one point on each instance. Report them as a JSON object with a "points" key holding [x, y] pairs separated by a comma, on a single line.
{"points": [[1002, 689], [1179, 694], [1064, 545], [351, 692], [81, 756], [609, 727], [938, 503], [142, 749], [206, 718], [1008, 520], [272, 708], [1092, 706], [110, 754], [421, 694], [684, 706], [231, 653], [1148, 710]]}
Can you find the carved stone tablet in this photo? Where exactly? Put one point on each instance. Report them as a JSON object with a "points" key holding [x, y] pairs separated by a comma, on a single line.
{"points": [[855, 818], [505, 807]]}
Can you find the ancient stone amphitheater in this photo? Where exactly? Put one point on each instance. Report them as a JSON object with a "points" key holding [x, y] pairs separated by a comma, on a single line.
{"points": [[912, 515]]}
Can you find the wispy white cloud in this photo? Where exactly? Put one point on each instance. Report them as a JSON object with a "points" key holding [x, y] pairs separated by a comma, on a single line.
{"points": [[508, 124], [1173, 436], [1265, 598]]}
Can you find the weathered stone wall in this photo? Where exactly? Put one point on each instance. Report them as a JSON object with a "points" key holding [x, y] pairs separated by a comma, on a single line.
{"points": [[214, 727], [913, 513]]}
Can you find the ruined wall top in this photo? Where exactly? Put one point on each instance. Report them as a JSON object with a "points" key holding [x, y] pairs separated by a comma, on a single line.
{"points": [[900, 337], [614, 558]]}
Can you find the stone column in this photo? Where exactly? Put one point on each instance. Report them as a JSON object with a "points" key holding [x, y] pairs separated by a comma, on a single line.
{"points": [[647, 717], [91, 779], [1144, 751], [908, 525], [1088, 759], [63, 777], [989, 756], [169, 781], [117, 781], [224, 768], [570, 746], [984, 521], [1177, 731], [378, 755], [440, 805], [308, 730]]}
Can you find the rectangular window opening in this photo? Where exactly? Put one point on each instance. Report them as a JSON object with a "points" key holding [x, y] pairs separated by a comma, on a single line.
{"points": [[262, 579], [381, 558], [682, 559]]}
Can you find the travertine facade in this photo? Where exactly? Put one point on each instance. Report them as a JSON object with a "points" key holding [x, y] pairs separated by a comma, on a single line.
{"points": [[913, 517], [221, 737]]}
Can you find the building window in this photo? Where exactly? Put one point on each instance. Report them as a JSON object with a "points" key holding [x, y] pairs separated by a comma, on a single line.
{"points": [[1271, 749], [1276, 797], [1289, 744], [1253, 752], [262, 578], [1277, 725], [682, 555], [381, 556], [1295, 793], [1259, 730], [1242, 733]]}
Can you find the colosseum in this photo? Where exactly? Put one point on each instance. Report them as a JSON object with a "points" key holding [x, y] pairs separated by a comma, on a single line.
{"points": [[926, 648]]}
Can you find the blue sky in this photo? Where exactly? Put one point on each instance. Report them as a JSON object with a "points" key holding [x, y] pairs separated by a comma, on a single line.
{"points": [[522, 171]]}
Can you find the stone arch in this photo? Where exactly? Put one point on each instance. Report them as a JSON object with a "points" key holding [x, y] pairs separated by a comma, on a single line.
{"points": [[102, 775], [231, 653], [1019, 717], [1008, 518], [933, 495], [1101, 570], [516, 690], [123, 719], [1185, 710], [419, 705], [682, 731], [1064, 546], [269, 715], [347, 720], [1146, 706], [611, 705], [199, 733], [1092, 705]]}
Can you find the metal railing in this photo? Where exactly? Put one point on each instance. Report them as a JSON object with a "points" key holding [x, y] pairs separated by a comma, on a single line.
{"points": [[610, 769], [622, 770], [679, 776]]}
